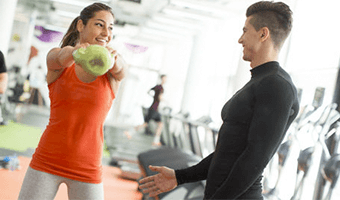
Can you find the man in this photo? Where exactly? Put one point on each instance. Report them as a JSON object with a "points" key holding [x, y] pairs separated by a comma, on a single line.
{"points": [[3, 83], [255, 119]]}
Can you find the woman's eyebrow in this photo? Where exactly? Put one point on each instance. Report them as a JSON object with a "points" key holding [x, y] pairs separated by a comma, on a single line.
{"points": [[103, 21]]}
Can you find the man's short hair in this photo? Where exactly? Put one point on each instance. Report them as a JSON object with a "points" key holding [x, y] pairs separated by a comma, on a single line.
{"points": [[277, 17]]}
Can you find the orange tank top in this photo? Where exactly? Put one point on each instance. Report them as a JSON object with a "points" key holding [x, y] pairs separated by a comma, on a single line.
{"points": [[72, 143]]}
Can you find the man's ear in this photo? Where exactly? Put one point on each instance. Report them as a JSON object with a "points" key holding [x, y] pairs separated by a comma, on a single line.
{"points": [[80, 25], [264, 33]]}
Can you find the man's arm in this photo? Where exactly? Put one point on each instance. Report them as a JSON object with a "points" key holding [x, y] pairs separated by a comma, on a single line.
{"points": [[194, 173]]}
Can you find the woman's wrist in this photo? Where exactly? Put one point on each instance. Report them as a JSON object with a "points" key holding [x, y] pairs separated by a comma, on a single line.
{"points": [[118, 71], [118, 65], [114, 70]]}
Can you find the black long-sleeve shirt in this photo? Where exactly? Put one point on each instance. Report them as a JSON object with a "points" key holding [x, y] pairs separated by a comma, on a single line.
{"points": [[255, 121]]}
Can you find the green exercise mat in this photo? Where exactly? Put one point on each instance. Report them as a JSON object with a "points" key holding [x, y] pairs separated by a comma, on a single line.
{"points": [[19, 137]]}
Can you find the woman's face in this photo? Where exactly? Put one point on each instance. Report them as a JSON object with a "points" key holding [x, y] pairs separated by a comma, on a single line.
{"points": [[98, 29]]}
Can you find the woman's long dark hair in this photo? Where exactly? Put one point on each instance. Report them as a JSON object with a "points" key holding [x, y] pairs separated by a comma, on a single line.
{"points": [[72, 35]]}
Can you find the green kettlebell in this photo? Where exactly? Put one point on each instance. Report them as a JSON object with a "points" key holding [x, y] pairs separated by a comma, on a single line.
{"points": [[95, 59]]}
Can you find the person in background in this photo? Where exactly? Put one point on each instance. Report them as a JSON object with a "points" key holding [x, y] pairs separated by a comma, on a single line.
{"points": [[153, 113], [37, 78], [3, 84], [71, 148], [255, 119]]}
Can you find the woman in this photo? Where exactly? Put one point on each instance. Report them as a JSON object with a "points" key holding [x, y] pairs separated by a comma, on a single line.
{"points": [[70, 149]]}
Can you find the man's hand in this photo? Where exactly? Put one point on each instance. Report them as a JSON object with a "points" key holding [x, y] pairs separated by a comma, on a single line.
{"points": [[164, 181]]}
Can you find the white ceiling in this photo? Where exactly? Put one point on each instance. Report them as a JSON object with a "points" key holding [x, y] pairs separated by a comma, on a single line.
{"points": [[150, 19], [60, 13]]}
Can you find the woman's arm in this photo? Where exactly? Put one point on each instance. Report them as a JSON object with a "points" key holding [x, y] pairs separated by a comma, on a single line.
{"points": [[118, 70], [3, 82], [60, 58], [3, 74]]}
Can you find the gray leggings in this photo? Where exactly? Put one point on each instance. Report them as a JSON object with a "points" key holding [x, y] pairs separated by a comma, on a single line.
{"points": [[40, 185]]}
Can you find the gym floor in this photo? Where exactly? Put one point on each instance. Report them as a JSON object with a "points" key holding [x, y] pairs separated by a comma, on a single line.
{"points": [[21, 136]]}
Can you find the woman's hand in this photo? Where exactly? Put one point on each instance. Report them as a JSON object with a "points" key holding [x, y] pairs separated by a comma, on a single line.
{"points": [[114, 54], [118, 69], [112, 51], [82, 45], [164, 181]]}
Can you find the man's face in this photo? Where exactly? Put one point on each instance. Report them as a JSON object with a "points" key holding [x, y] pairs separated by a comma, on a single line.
{"points": [[250, 40]]}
